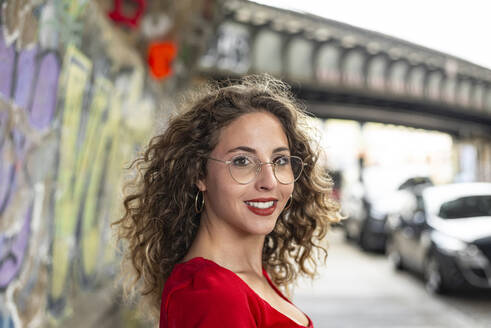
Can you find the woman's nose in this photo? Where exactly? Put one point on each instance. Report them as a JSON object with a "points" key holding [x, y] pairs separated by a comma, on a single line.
{"points": [[266, 178]]}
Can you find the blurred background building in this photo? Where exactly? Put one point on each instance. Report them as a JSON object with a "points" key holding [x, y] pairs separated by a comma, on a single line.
{"points": [[83, 84]]}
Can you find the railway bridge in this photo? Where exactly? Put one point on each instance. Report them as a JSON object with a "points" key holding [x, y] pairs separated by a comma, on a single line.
{"points": [[341, 71]]}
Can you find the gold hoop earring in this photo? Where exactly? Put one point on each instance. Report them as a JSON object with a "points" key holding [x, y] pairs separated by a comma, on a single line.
{"points": [[288, 203], [199, 210]]}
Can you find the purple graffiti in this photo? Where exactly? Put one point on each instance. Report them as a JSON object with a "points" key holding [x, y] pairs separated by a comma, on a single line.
{"points": [[45, 93], [7, 170], [25, 77], [35, 92], [7, 59]]}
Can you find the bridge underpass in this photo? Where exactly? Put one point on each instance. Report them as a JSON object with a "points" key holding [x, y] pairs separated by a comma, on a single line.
{"points": [[417, 115], [340, 71]]}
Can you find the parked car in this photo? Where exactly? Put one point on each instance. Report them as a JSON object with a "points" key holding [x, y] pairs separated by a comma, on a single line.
{"points": [[368, 209], [337, 177], [444, 234]]}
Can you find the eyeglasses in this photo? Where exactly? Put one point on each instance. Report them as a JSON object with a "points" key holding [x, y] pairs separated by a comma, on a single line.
{"points": [[245, 168]]}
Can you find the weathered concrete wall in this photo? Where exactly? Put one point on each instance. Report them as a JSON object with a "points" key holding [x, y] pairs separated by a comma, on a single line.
{"points": [[473, 159], [76, 102]]}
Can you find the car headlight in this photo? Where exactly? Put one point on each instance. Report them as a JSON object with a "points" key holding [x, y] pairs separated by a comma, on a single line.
{"points": [[448, 245], [473, 257], [467, 254]]}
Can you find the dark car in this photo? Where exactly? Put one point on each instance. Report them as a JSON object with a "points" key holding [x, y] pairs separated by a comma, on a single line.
{"points": [[444, 234], [368, 214]]}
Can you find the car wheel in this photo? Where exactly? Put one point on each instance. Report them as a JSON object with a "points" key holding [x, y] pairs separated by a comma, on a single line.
{"points": [[433, 276], [364, 240], [394, 257]]}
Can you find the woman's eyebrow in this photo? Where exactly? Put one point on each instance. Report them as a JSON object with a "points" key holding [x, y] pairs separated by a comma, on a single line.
{"points": [[243, 148], [253, 151], [280, 149]]}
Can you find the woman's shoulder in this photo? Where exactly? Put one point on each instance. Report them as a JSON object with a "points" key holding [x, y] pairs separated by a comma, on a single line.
{"points": [[200, 276], [200, 291]]}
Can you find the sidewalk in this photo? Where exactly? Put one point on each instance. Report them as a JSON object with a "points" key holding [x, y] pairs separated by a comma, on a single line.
{"points": [[101, 308]]}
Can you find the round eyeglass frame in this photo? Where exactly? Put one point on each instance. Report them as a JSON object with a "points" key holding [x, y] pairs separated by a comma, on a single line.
{"points": [[259, 166]]}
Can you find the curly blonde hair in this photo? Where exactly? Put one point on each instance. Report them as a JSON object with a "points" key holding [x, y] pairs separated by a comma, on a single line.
{"points": [[160, 222]]}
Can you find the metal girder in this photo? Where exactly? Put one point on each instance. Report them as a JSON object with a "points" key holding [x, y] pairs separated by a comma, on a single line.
{"points": [[347, 72]]}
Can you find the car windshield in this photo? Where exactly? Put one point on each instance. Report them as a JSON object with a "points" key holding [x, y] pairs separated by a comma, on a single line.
{"points": [[466, 207]]}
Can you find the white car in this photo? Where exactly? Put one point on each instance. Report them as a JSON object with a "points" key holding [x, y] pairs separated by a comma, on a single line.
{"points": [[445, 234]]}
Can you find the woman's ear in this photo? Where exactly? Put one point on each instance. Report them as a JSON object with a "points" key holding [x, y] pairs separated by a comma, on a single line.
{"points": [[201, 185], [201, 177]]}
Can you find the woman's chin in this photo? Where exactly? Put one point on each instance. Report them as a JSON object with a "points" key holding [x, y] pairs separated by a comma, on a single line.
{"points": [[264, 226]]}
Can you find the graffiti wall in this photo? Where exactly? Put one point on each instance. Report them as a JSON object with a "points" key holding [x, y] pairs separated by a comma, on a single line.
{"points": [[75, 104]]}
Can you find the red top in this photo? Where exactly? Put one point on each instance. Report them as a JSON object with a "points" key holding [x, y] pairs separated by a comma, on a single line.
{"points": [[201, 293]]}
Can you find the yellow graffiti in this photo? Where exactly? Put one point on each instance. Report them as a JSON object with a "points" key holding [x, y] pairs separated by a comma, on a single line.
{"points": [[100, 144], [75, 7], [75, 75], [114, 175], [93, 146]]}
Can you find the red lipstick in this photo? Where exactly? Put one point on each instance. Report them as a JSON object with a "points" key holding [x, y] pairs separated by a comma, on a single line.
{"points": [[253, 206]]}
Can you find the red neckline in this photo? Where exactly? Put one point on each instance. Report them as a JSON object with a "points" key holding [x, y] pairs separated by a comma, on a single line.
{"points": [[309, 325]]}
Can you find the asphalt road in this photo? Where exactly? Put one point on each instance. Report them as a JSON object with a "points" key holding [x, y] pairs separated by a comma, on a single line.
{"points": [[358, 289]]}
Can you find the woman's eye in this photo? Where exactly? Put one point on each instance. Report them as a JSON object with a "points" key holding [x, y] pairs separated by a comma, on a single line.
{"points": [[282, 161], [241, 161]]}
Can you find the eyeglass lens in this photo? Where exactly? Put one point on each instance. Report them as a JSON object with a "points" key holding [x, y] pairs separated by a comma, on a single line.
{"points": [[245, 168]]}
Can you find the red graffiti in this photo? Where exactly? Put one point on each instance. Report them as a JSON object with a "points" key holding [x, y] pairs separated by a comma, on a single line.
{"points": [[119, 15], [160, 57]]}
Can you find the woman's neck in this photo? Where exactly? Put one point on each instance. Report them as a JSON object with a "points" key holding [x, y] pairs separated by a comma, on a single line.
{"points": [[237, 252]]}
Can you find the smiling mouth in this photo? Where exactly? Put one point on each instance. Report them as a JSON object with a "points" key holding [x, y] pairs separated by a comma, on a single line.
{"points": [[261, 205]]}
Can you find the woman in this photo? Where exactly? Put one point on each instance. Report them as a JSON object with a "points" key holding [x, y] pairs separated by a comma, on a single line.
{"points": [[230, 206]]}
